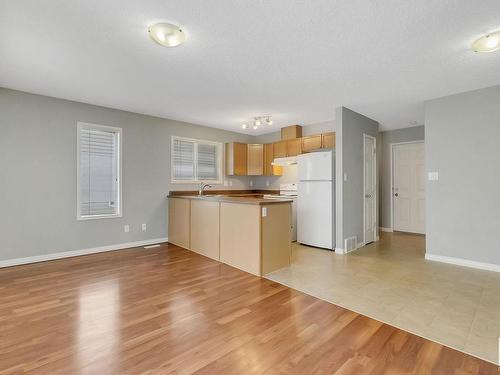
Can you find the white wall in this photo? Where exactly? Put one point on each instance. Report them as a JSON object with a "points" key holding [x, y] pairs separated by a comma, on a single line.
{"points": [[462, 134]]}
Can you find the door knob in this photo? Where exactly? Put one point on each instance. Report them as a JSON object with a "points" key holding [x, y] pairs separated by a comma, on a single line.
{"points": [[396, 195], [368, 195]]}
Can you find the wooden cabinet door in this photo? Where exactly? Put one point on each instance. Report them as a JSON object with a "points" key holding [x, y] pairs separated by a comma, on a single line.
{"points": [[279, 149], [205, 228], [294, 147], [311, 143], [179, 226], [255, 160], [236, 159], [328, 140], [269, 168], [268, 159]]}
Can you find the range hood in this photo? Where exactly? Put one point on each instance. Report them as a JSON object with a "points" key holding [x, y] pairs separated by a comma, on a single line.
{"points": [[284, 162]]}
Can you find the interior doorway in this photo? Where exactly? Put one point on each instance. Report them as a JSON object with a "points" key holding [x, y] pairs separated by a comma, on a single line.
{"points": [[369, 189], [408, 187]]}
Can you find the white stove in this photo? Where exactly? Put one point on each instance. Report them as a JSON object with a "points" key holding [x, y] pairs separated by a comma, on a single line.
{"points": [[288, 191]]}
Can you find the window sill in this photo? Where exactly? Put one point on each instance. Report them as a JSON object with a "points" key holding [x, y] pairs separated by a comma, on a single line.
{"points": [[96, 217]]}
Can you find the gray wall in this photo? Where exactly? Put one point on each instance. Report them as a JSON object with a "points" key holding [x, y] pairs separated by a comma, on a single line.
{"points": [[349, 202], [416, 133], [461, 139], [38, 174]]}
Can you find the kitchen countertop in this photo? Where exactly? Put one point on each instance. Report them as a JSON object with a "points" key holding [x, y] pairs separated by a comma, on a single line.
{"points": [[233, 198]]}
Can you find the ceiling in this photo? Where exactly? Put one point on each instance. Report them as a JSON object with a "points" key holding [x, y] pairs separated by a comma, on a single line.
{"points": [[296, 60]]}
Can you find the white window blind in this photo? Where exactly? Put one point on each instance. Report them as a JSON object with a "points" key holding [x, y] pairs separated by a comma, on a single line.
{"points": [[195, 160], [98, 171]]}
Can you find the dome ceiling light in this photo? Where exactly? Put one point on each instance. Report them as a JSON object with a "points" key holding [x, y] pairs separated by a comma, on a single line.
{"points": [[167, 34], [487, 43]]}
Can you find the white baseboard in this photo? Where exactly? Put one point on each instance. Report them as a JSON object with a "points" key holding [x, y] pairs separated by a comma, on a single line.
{"points": [[463, 262], [338, 250], [75, 253], [382, 229]]}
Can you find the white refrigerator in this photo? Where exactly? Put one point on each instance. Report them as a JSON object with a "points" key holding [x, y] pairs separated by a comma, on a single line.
{"points": [[315, 208]]}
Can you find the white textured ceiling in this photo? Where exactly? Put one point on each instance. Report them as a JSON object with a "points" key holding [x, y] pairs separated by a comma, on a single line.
{"points": [[297, 60]]}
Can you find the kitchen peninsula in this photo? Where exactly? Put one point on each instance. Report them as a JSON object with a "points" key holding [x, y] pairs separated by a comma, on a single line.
{"points": [[245, 231]]}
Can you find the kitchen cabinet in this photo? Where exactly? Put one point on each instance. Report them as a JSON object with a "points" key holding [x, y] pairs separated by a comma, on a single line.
{"points": [[179, 214], [280, 149], [236, 159], [252, 242], [328, 140], [204, 237], [294, 147], [255, 159], [269, 168], [311, 143], [291, 132]]}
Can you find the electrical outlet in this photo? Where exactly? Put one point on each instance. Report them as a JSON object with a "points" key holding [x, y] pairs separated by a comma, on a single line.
{"points": [[226, 183], [230, 183], [144, 227], [433, 176], [251, 183], [126, 228], [264, 211], [267, 183]]}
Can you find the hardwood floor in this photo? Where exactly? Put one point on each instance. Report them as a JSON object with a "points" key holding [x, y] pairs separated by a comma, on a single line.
{"points": [[168, 310]]}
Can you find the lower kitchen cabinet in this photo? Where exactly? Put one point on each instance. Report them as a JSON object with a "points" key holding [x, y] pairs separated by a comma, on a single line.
{"points": [[240, 236], [179, 223], [205, 228]]}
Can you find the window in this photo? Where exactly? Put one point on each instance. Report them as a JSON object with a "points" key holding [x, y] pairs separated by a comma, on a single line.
{"points": [[195, 161], [99, 171]]}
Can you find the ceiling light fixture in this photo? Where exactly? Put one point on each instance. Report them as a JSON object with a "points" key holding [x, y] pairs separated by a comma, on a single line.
{"points": [[487, 43], [258, 121], [167, 34]]}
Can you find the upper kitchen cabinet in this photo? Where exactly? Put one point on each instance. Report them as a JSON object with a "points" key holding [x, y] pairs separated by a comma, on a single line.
{"points": [[269, 168], [294, 147], [279, 149], [255, 159], [236, 159], [291, 132], [328, 140], [311, 143]]}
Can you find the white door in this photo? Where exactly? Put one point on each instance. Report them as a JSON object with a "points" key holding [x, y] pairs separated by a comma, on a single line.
{"points": [[409, 187], [370, 189]]}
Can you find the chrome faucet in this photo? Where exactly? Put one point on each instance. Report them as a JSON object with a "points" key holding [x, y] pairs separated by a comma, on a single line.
{"points": [[202, 187]]}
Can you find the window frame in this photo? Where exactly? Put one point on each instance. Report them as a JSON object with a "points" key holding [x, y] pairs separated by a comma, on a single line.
{"points": [[220, 161], [119, 131]]}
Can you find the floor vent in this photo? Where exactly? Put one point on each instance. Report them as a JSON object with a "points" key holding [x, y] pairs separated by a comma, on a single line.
{"points": [[350, 244], [151, 246]]}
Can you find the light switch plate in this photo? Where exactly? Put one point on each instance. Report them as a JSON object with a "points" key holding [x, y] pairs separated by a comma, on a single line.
{"points": [[144, 227], [345, 176], [126, 228], [433, 176]]}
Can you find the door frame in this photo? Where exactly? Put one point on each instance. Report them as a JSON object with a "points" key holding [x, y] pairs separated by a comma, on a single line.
{"points": [[365, 137], [391, 187]]}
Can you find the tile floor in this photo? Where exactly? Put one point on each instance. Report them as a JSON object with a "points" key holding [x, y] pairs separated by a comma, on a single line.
{"points": [[392, 282]]}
